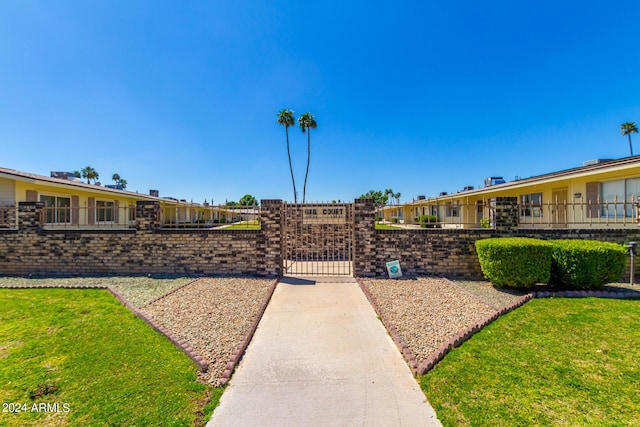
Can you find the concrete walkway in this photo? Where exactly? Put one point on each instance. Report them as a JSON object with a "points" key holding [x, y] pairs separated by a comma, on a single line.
{"points": [[321, 357]]}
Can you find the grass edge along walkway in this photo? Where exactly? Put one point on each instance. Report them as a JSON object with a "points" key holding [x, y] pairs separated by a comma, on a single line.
{"points": [[557, 361], [83, 348]]}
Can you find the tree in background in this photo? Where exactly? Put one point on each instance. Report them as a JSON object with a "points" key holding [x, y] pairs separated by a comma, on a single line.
{"points": [[306, 123], [90, 174], [397, 197], [248, 200], [379, 198], [285, 118], [627, 129], [388, 193], [77, 173], [119, 181]]}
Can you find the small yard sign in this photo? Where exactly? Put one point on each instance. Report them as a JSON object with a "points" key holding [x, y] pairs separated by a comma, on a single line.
{"points": [[393, 268]]}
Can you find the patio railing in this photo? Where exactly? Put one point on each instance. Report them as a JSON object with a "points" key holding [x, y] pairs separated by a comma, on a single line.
{"points": [[210, 217], [88, 217], [551, 214]]}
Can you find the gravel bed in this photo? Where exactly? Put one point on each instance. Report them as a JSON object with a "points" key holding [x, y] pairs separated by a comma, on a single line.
{"points": [[137, 290], [493, 296], [212, 315], [426, 312]]}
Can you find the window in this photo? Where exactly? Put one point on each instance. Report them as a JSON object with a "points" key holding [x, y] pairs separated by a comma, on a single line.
{"points": [[451, 209], [57, 210], [618, 197], [531, 205], [104, 211]]}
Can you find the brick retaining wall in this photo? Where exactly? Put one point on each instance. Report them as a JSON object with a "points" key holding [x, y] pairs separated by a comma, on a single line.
{"points": [[148, 249], [145, 249]]}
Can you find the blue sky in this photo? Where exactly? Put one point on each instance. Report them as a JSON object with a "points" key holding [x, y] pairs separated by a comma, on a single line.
{"points": [[420, 97]]}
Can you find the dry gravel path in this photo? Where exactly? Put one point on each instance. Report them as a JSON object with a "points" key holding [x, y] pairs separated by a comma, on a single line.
{"points": [[427, 312], [212, 315]]}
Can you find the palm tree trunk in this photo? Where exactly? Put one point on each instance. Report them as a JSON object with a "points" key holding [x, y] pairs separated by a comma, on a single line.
{"points": [[295, 193], [304, 191], [630, 146]]}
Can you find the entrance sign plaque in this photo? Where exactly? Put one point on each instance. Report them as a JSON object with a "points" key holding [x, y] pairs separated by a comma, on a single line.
{"points": [[330, 214]]}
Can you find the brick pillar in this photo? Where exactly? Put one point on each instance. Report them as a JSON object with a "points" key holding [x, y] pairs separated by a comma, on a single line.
{"points": [[147, 215], [506, 213], [8, 217], [29, 216], [271, 224], [364, 236]]}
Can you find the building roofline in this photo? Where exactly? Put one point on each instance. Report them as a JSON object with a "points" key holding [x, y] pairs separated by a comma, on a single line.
{"points": [[31, 177], [548, 177]]}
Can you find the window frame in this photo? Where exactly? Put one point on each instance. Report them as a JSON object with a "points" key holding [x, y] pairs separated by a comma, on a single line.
{"points": [[60, 214], [529, 207]]}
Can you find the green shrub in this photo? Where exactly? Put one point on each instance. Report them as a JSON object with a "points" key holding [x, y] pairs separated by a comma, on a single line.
{"points": [[427, 221], [515, 261], [395, 220], [586, 264]]}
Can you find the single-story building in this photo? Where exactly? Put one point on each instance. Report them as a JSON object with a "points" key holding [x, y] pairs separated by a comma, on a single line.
{"points": [[70, 202], [601, 193]]}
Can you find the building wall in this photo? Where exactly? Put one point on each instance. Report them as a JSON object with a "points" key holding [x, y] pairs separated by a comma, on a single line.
{"points": [[147, 249], [451, 252], [144, 250], [7, 192], [573, 185]]}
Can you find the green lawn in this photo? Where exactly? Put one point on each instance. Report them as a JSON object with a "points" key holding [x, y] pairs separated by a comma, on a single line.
{"points": [[245, 225], [567, 362], [386, 227], [101, 365]]}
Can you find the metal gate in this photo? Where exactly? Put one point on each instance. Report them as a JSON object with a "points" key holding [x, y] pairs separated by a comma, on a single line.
{"points": [[317, 239]]}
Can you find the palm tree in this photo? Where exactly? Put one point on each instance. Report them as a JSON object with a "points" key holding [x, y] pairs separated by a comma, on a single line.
{"points": [[627, 129], [116, 178], [306, 123], [90, 173], [388, 192], [285, 118], [397, 197], [123, 183]]}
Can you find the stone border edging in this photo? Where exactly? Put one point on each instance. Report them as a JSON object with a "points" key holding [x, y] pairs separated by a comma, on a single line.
{"points": [[184, 347], [427, 364], [242, 346], [585, 294], [400, 343], [202, 364], [430, 362]]}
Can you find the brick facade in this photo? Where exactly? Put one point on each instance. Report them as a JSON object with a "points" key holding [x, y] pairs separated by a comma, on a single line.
{"points": [[145, 249], [149, 249]]}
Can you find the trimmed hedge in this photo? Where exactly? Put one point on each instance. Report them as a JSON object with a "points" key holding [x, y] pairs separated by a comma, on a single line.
{"points": [[515, 261], [586, 264]]}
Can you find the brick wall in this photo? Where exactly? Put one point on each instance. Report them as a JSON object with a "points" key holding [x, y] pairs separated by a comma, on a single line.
{"points": [[451, 252], [145, 249]]}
